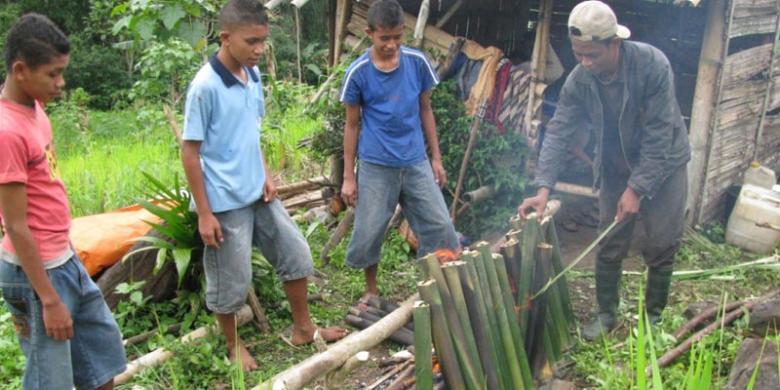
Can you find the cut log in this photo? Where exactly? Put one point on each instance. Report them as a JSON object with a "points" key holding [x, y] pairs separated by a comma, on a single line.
{"points": [[320, 364], [401, 336], [304, 199], [748, 360], [160, 355], [383, 304], [335, 380], [765, 318], [338, 234], [288, 190], [140, 266], [705, 315]]}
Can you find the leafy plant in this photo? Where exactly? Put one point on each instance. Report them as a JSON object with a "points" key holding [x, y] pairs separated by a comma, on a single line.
{"points": [[178, 226]]}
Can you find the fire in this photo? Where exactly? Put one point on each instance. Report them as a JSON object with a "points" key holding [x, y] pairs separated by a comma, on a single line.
{"points": [[445, 255]]}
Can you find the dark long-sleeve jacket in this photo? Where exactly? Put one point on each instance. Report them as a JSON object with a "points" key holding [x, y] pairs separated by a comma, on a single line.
{"points": [[653, 136]]}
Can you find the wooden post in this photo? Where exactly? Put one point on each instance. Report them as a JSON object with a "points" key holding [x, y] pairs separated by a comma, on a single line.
{"points": [[538, 64], [298, 43], [717, 47], [710, 65], [271, 4], [446, 18], [770, 84], [422, 20], [342, 7], [331, 31]]}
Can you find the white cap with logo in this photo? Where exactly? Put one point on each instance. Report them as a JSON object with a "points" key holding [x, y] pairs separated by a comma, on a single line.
{"points": [[594, 21]]}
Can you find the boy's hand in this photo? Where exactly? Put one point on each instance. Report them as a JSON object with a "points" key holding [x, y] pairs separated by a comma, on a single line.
{"points": [[536, 203], [210, 230], [439, 174], [57, 321], [269, 190], [349, 192]]}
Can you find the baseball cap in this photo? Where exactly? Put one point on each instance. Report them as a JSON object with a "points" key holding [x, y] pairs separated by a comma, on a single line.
{"points": [[594, 21]]}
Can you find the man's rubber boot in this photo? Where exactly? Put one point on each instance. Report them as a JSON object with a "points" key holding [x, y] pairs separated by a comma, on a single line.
{"points": [[657, 292], [608, 297]]}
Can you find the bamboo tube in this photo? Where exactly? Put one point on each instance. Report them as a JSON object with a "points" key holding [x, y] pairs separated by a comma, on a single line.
{"points": [[534, 338], [563, 286], [514, 325], [487, 299], [559, 321], [423, 365], [527, 270], [445, 351], [481, 325], [505, 333], [452, 275], [510, 251], [467, 365]]}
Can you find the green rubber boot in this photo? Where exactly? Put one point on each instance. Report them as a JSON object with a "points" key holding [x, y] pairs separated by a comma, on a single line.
{"points": [[657, 292], [608, 297]]}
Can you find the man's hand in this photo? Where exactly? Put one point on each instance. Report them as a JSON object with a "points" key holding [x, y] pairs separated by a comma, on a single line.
{"points": [[57, 321], [439, 174], [210, 230], [349, 192], [536, 203], [269, 190], [628, 204]]}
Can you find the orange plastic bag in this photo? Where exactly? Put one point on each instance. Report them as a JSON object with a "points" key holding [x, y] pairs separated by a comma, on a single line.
{"points": [[102, 239]]}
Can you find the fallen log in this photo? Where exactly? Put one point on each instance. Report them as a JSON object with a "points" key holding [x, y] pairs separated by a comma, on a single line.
{"points": [[674, 353], [303, 199], [704, 316], [401, 336], [306, 371], [291, 189], [160, 355]]}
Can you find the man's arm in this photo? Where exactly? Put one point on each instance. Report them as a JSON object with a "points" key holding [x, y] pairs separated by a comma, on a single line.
{"points": [[351, 131], [208, 226], [269, 188], [429, 127], [56, 317]]}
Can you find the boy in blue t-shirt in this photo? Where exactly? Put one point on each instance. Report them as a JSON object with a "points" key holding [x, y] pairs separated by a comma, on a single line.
{"points": [[232, 187], [388, 88]]}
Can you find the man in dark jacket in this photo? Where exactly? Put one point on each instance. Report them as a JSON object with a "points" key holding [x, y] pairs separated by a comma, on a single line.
{"points": [[624, 91]]}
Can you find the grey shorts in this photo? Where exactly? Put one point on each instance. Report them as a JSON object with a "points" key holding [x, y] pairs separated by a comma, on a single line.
{"points": [[228, 269]]}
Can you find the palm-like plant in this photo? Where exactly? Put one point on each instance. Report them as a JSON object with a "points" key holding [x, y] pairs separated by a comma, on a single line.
{"points": [[178, 225]]}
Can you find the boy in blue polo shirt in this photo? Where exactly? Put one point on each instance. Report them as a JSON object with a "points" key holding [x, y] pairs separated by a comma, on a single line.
{"points": [[232, 187], [388, 89]]}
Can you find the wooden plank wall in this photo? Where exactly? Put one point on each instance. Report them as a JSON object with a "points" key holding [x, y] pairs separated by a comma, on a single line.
{"points": [[744, 82]]}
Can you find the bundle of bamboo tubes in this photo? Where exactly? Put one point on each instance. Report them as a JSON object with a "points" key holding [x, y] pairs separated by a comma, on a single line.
{"points": [[495, 320]]}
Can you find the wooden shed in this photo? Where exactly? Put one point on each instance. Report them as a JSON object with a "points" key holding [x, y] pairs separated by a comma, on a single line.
{"points": [[725, 55]]}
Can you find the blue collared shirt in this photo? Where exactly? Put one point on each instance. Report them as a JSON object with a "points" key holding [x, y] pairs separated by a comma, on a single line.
{"points": [[225, 115]]}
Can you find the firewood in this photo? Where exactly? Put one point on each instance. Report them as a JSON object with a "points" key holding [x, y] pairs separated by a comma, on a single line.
{"points": [[401, 336]]}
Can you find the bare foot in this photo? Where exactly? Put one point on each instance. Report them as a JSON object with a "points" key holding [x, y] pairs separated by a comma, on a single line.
{"points": [[362, 303], [301, 337], [248, 363]]}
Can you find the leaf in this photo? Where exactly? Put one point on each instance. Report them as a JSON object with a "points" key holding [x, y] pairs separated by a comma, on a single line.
{"points": [[145, 29], [191, 32], [162, 254], [137, 297], [121, 24], [314, 69], [171, 15], [182, 258]]}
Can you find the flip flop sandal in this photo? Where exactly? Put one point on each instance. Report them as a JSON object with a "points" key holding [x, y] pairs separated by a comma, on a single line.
{"points": [[286, 336]]}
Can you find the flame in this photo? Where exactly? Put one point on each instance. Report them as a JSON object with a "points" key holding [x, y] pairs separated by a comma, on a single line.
{"points": [[445, 255]]}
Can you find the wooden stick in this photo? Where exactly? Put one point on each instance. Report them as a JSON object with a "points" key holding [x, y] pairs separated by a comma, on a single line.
{"points": [[260, 320], [422, 20], [669, 356], [399, 383], [703, 316], [140, 338], [301, 186], [387, 376], [160, 355], [465, 163], [315, 366], [338, 234], [171, 117]]}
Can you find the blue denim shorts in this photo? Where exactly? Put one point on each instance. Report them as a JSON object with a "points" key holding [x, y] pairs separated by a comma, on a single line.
{"points": [[91, 358], [379, 190], [228, 269]]}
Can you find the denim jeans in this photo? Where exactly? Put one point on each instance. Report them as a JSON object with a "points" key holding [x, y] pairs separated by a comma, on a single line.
{"points": [[379, 190], [91, 358]]}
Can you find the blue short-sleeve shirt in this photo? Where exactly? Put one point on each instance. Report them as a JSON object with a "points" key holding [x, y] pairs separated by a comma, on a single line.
{"points": [[225, 115], [391, 130]]}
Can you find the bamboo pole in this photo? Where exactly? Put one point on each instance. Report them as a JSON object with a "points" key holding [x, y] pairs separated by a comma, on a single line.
{"points": [[423, 369], [342, 8], [538, 63], [422, 20], [508, 343], [527, 270], [478, 316], [447, 16], [160, 355], [456, 330], [557, 262], [302, 186], [296, 13], [445, 350], [770, 83], [514, 324], [315, 366], [452, 274]]}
